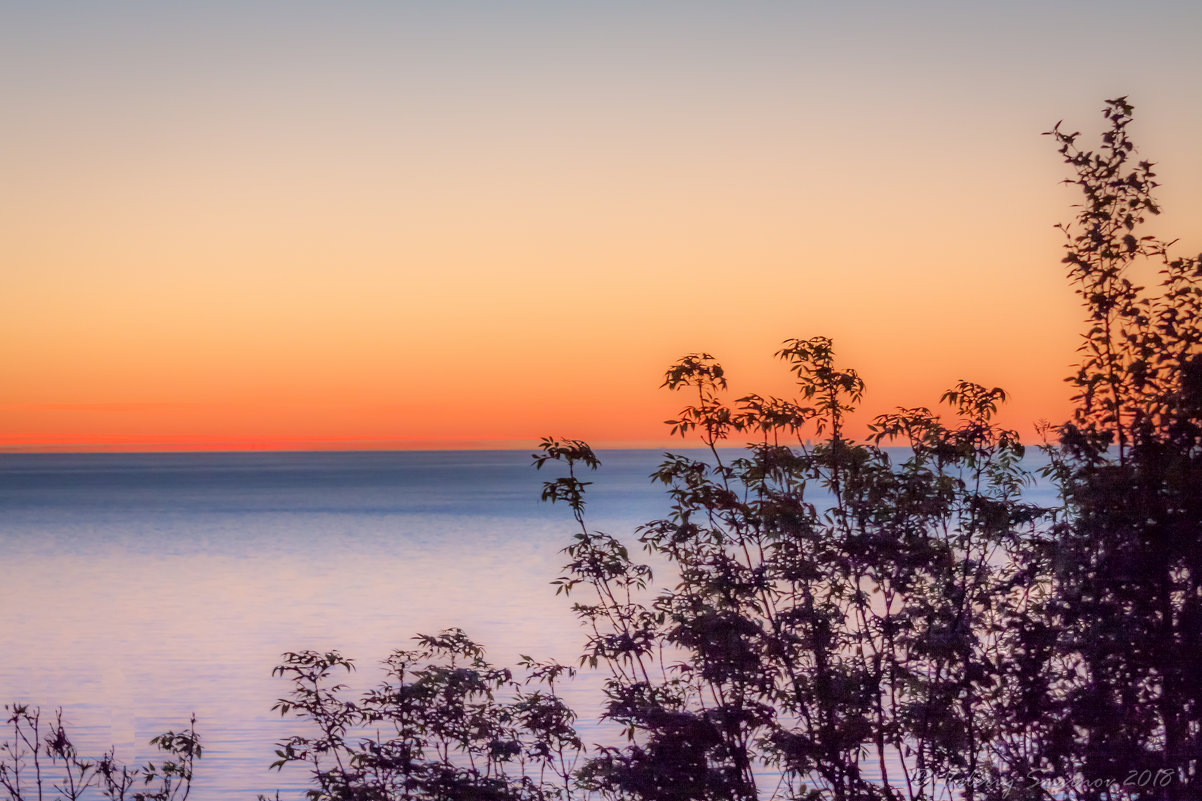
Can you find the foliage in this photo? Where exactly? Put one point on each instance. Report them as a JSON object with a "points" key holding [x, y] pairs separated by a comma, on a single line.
{"points": [[444, 724], [876, 619], [839, 615], [40, 762], [1128, 562], [866, 622]]}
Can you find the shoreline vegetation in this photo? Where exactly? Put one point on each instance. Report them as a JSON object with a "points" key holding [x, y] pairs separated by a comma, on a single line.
{"points": [[928, 633]]}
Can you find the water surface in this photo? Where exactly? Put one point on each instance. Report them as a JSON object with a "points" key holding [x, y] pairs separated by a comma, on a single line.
{"points": [[138, 588]]}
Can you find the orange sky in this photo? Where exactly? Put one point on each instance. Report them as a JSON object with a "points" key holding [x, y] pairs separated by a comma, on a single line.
{"points": [[360, 226]]}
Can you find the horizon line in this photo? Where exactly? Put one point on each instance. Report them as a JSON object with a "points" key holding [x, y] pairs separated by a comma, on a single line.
{"points": [[256, 445], [375, 446]]}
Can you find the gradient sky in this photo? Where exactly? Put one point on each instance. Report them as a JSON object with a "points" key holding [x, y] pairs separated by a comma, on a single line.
{"points": [[386, 224]]}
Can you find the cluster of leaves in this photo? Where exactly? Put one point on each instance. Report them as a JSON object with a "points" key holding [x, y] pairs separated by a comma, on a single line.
{"points": [[1127, 616], [444, 724], [878, 619], [40, 762], [841, 615], [857, 621]]}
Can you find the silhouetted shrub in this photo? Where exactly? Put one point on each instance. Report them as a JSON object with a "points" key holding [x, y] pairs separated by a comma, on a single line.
{"points": [[39, 761], [444, 724], [1126, 714], [876, 625]]}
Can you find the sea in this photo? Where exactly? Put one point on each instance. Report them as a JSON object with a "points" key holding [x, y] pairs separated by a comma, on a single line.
{"points": [[139, 589]]}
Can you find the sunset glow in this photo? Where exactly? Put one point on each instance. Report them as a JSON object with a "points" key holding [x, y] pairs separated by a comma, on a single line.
{"points": [[362, 226]]}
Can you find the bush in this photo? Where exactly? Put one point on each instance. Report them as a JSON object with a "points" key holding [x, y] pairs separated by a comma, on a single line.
{"points": [[1127, 612], [454, 726], [876, 619], [39, 761], [872, 627]]}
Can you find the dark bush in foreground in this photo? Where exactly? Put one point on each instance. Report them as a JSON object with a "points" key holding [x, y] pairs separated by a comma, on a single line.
{"points": [[38, 761], [443, 724], [850, 624]]}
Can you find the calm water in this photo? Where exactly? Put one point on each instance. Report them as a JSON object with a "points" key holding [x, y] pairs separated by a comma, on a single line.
{"points": [[138, 588]]}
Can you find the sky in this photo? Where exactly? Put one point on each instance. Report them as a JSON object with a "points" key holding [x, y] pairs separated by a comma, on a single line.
{"points": [[283, 225]]}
